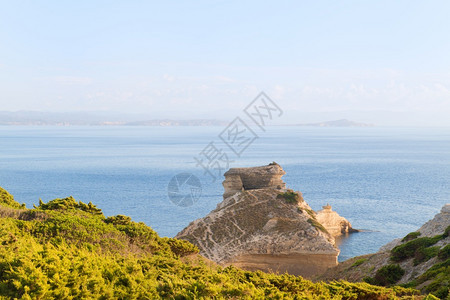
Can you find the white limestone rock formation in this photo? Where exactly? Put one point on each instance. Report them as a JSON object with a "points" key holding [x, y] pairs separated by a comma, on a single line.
{"points": [[240, 179], [333, 222], [262, 226]]}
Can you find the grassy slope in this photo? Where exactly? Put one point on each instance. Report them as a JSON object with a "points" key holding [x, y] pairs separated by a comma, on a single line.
{"points": [[66, 249]]}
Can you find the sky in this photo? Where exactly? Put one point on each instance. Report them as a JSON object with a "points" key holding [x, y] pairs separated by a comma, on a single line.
{"points": [[382, 62]]}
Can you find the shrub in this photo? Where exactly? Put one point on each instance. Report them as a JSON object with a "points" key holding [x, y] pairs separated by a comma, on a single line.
{"points": [[446, 232], [180, 247], [6, 199], [289, 196], [438, 278], [444, 253], [69, 203], [118, 220], [411, 236], [386, 275], [409, 249], [423, 254]]}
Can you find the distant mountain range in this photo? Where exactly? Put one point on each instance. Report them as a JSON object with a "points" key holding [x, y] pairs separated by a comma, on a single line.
{"points": [[337, 123]]}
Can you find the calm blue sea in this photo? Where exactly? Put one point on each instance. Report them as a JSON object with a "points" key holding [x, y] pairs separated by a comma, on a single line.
{"points": [[386, 180]]}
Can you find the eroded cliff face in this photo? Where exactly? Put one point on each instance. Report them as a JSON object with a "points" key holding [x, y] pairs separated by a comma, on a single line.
{"points": [[259, 226], [414, 265], [333, 222]]}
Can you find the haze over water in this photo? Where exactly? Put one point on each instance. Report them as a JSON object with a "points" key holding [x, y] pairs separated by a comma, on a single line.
{"points": [[386, 180]]}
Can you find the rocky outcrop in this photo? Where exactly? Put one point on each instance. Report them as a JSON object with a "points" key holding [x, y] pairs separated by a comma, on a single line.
{"points": [[262, 226], [438, 224], [239, 179], [333, 222]]}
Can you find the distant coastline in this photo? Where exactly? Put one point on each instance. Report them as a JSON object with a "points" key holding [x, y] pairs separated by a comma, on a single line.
{"points": [[337, 123], [158, 123], [34, 118]]}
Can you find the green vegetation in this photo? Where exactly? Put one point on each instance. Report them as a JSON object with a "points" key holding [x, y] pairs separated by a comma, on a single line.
{"points": [[316, 224], [431, 297], [446, 232], [415, 248], [66, 249], [411, 236], [386, 275], [444, 253], [437, 278], [424, 254], [358, 262], [310, 213], [6, 199], [118, 220], [69, 203], [289, 196]]}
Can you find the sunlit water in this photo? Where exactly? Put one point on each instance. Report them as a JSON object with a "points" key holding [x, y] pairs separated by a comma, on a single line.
{"points": [[386, 180]]}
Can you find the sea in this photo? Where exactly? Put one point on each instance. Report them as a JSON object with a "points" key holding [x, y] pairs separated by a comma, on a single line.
{"points": [[385, 181]]}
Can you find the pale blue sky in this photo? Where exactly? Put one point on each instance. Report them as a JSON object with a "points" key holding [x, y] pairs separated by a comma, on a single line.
{"points": [[372, 61]]}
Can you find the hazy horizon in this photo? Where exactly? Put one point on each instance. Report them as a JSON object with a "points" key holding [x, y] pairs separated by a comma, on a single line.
{"points": [[383, 62], [376, 118]]}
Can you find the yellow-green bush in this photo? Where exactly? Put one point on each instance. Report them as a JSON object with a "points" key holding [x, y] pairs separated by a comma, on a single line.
{"points": [[6, 199]]}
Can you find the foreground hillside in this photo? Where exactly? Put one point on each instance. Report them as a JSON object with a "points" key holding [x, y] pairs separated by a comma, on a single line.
{"points": [[66, 249], [420, 260]]}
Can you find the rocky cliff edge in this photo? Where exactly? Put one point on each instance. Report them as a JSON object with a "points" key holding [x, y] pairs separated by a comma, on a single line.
{"points": [[421, 260], [261, 225]]}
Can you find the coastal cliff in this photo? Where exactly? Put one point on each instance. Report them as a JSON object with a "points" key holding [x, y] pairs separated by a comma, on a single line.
{"points": [[261, 225], [421, 260]]}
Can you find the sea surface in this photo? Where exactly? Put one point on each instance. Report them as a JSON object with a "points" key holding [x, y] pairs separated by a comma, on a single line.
{"points": [[388, 181]]}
